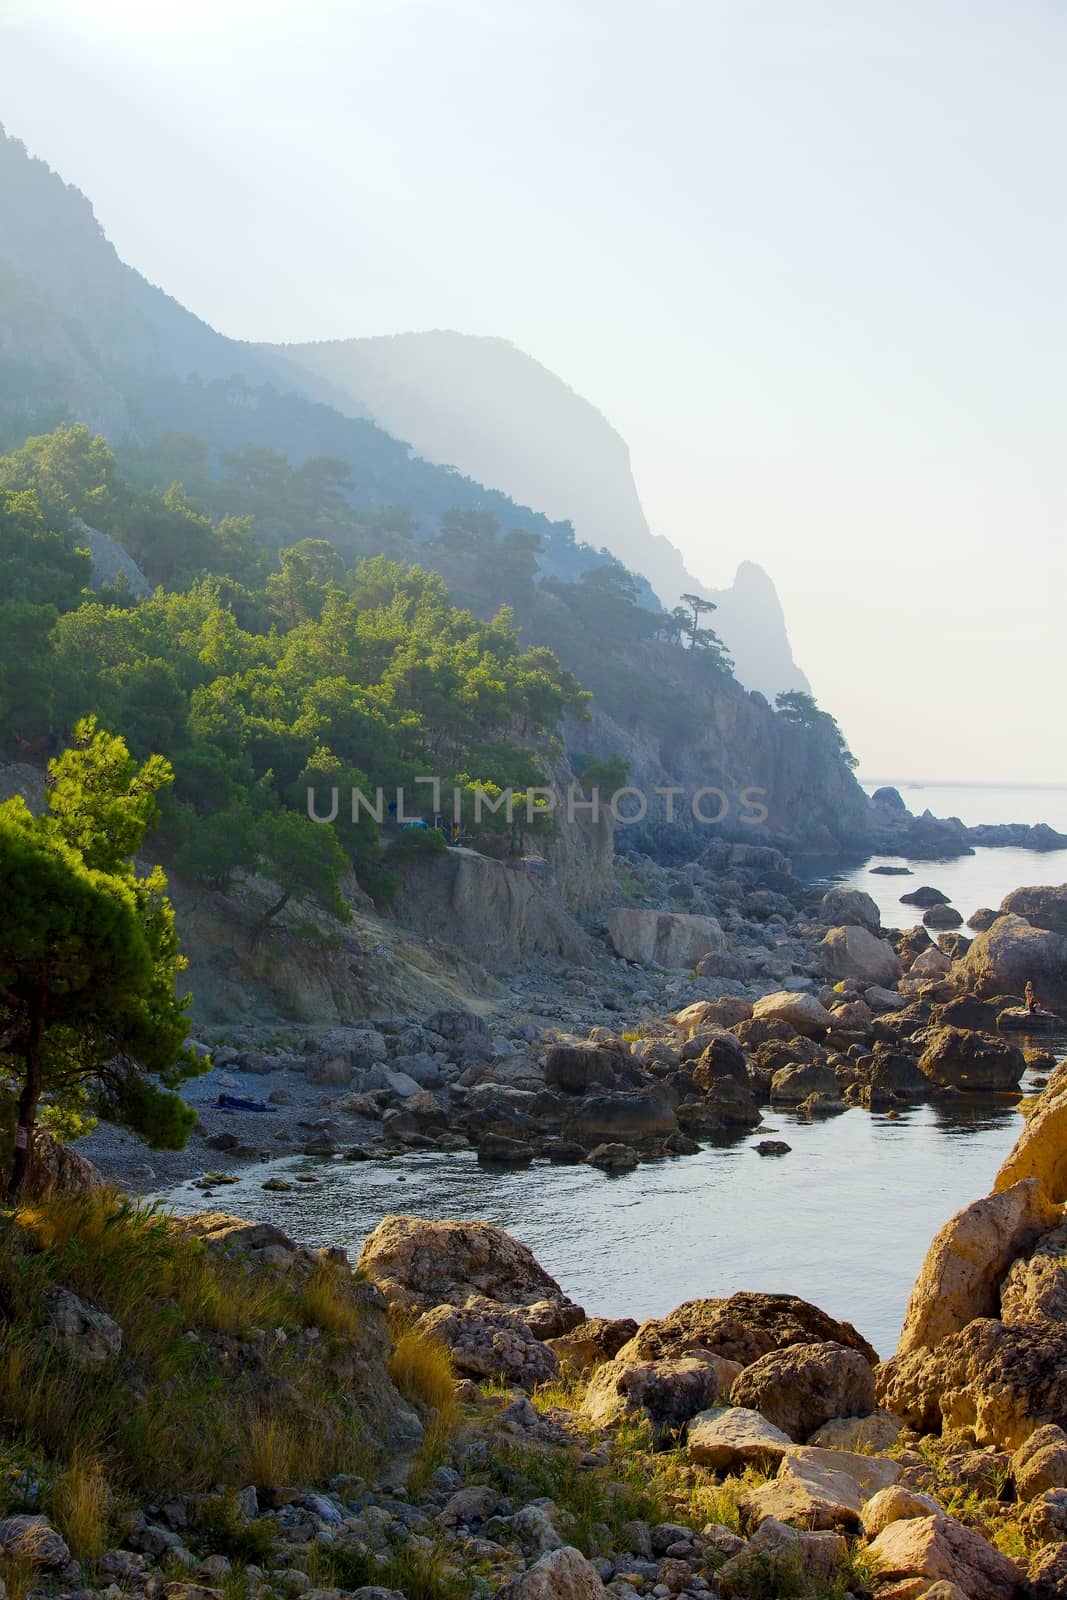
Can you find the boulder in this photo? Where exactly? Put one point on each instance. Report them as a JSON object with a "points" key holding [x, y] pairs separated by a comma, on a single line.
{"points": [[562, 1574], [982, 919], [1046, 1576], [892, 1073], [1040, 1463], [932, 963], [967, 1261], [777, 1554], [421, 1264], [85, 1334], [576, 1068], [726, 1105], [1001, 1380], [803, 1386], [725, 1013], [855, 1016], [33, 1540], [1035, 1288], [1046, 1516], [875, 1433], [716, 1050], [1043, 907], [613, 1158], [942, 917], [938, 1548], [894, 1505], [664, 938], [856, 953], [592, 1342], [1040, 1151], [58, 1169], [625, 1116], [1001, 960], [802, 1012], [844, 908], [924, 897], [881, 1000], [490, 1344], [819, 1489], [791, 1085], [666, 1393], [742, 1328], [730, 1438], [960, 1058]]}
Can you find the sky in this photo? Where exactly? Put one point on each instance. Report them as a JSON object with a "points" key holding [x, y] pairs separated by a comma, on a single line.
{"points": [[808, 256]]}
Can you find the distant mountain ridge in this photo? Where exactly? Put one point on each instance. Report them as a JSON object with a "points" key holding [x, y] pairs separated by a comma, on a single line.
{"points": [[486, 408]]}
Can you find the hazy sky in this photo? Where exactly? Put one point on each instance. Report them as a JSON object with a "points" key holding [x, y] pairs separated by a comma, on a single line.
{"points": [[808, 256]]}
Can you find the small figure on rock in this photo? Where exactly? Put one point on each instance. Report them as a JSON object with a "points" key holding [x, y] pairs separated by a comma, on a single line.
{"points": [[1030, 997]]}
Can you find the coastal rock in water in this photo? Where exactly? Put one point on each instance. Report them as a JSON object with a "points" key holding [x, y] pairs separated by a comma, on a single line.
{"points": [[742, 1328], [1040, 1151], [961, 1058], [1003, 1380], [942, 917], [940, 1548], [842, 908], [969, 1259], [856, 953], [667, 938], [491, 1344], [801, 1387], [1001, 961], [667, 1393], [730, 1438], [791, 1085], [423, 1264], [562, 1574], [624, 1116], [924, 897], [802, 1012], [982, 919]]}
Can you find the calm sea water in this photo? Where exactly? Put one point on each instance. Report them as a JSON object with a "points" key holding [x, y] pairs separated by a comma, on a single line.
{"points": [[844, 1220]]}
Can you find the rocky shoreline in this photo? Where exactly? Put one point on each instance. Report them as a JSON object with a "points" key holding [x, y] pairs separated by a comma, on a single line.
{"points": [[795, 1000], [748, 1446]]}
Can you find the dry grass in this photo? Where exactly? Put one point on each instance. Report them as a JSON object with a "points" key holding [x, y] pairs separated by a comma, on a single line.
{"points": [[18, 1575], [422, 1370], [325, 1302], [81, 1501], [271, 1454]]}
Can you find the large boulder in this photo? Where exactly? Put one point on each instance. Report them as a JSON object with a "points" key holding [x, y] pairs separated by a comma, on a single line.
{"points": [[938, 1548], [856, 953], [792, 1085], [846, 908], [742, 1328], [578, 1068], [85, 1334], [731, 1438], [625, 1116], [422, 1264], [961, 1058], [968, 1260], [819, 1489], [1040, 1151], [487, 1343], [1000, 1379], [924, 897], [666, 938], [665, 1393], [801, 1387], [59, 1169], [1043, 907], [1001, 960], [562, 1574], [802, 1012]]}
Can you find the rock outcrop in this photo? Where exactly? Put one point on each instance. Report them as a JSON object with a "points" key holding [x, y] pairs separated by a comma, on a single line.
{"points": [[670, 939]]}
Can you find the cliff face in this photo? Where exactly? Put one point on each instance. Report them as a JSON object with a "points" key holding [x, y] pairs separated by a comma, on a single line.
{"points": [[485, 407]]}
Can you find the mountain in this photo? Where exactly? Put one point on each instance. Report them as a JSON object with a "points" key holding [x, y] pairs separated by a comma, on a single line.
{"points": [[484, 407]]}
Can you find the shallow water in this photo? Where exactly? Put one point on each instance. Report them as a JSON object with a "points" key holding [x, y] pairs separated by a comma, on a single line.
{"points": [[844, 1220], [969, 881]]}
